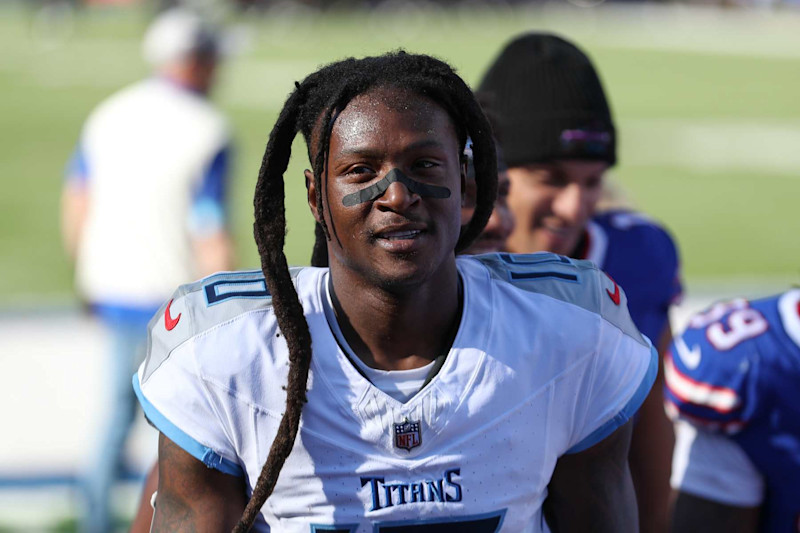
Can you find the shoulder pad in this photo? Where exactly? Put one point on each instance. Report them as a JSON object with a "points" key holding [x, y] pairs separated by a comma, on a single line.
{"points": [[625, 220], [710, 368], [573, 281], [200, 306], [642, 229], [646, 234]]}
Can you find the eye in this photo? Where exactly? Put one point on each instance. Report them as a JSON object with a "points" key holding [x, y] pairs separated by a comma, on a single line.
{"points": [[425, 164], [359, 171]]}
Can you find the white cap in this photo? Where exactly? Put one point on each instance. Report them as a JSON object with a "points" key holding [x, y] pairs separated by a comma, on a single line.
{"points": [[175, 34]]}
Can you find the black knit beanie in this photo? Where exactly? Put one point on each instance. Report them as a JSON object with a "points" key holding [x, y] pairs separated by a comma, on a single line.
{"points": [[548, 103]]}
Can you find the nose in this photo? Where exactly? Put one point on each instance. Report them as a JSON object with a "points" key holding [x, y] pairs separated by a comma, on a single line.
{"points": [[570, 204], [397, 198]]}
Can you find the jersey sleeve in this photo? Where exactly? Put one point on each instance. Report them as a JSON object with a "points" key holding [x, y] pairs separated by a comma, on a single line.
{"points": [[617, 381], [609, 383], [208, 212], [173, 393], [77, 169], [711, 370], [666, 282], [666, 264], [713, 467]]}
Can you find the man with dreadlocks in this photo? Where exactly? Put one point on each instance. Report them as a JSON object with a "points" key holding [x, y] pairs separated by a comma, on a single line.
{"points": [[427, 405]]}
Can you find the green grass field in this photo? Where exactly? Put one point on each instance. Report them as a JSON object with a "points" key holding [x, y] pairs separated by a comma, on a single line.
{"points": [[706, 101]]}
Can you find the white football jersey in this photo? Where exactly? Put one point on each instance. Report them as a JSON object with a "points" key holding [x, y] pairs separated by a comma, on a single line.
{"points": [[546, 362]]}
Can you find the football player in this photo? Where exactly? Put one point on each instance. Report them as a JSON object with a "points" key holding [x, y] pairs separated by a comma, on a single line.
{"points": [[732, 383], [491, 239], [559, 140], [443, 394]]}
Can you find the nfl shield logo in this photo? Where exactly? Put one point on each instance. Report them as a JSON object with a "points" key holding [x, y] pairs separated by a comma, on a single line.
{"points": [[407, 435]]}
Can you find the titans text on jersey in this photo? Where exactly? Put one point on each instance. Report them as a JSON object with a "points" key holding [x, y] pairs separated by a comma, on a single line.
{"points": [[732, 379], [546, 362]]}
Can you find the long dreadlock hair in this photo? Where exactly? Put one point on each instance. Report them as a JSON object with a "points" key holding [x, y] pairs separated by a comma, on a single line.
{"points": [[312, 108]]}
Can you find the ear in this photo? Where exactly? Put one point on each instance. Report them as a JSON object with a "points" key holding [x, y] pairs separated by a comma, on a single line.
{"points": [[311, 192]]}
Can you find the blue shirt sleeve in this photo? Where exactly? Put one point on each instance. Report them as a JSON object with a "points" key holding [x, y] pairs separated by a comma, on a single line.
{"points": [[77, 170], [208, 213]]}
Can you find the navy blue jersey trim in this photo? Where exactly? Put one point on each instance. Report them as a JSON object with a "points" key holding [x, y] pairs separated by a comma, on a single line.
{"points": [[213, 296], [486, 522], [345, 528], [543, 275]]}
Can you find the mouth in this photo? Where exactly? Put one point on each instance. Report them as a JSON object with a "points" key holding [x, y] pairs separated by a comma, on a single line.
{"points": [[400, 235], [559, 238], [405, 229], [401, 238], [561, 231]]}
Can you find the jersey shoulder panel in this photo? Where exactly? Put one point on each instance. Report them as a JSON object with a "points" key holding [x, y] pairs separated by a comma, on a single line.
{"points": [[110, 108], [712, 369], [196, 115], [200, 306], [195, 118], [563, 322], [633, 223], [573, 281], [636, 238]]}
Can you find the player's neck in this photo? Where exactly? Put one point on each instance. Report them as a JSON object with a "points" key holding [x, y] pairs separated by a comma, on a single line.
{"points": [[398, 331]]}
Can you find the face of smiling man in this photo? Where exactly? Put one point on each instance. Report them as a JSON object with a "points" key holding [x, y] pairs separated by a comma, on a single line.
{"points": [[551, 204], [400, 238]]}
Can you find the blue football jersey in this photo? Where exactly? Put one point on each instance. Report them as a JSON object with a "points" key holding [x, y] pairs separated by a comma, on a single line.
{"points": [[735, 371], [642, 257]]}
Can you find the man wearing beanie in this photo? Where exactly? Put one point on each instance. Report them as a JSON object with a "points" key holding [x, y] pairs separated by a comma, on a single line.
{"points": [[556, 130], [143, 211]]}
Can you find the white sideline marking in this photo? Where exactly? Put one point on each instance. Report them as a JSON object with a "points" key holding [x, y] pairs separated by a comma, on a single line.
{"points": [[713, 145]]}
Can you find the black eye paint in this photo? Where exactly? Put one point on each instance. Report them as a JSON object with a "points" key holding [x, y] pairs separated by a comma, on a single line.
{"points": [[376, 190]]}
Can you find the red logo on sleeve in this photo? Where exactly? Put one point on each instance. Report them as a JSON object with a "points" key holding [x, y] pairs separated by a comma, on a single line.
{"points": [[613, 295], [170, 322]]}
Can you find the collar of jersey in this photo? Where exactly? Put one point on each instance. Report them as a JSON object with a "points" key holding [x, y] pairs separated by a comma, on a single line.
{"points": [[339, 364], [421, 375], [334, 380], [326, 303]]}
